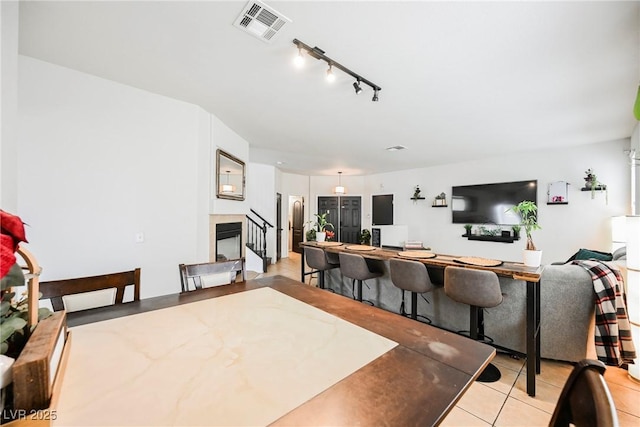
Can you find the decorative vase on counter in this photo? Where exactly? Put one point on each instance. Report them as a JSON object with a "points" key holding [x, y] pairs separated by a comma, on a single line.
{"points": [[321, 236], [532, 258]]}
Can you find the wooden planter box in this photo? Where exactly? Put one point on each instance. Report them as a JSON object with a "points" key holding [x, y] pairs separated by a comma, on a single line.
{"points": [[38, 373]]}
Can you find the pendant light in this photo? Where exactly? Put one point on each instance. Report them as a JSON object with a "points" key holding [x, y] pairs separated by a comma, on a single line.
{"points": [[227, 188], [339, 189]]}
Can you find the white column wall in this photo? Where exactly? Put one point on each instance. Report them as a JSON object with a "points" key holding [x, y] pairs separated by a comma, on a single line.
{"points": [[101, 162]]}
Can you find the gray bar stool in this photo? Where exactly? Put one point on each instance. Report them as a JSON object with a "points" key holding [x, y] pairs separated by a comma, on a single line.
{"points": [[410, 276], [320, 260], [355, 267], [480, 289]]}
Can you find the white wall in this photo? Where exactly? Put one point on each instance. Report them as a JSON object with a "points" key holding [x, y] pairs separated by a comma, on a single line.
{"points": [[262, 199], [583, 223], [100, 162], [8, 106]]}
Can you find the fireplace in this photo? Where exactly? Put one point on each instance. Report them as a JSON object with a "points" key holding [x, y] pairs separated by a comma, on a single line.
{"points": [[228, 241], [227, 236]]}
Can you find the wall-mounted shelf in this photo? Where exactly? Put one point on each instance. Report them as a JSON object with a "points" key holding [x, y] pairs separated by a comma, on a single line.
{"points": [[557, 203], [598, 188], [439, 206], [417, 198], [484, 238]]}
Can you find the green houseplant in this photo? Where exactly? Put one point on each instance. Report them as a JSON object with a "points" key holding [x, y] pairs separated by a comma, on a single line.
{"points": [[516, 231], [320, 226], [365, 237], [528, 212], [467, 229]]}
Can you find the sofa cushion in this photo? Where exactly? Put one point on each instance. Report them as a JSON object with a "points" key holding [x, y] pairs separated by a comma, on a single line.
{"points": [[620, 254], [591, 254]]}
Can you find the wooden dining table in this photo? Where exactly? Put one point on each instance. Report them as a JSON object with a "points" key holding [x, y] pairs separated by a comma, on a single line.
{"points": [[513, 270], [271, 351]]}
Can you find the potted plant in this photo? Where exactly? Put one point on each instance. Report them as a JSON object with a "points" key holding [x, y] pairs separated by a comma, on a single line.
{"points": [[591, 183], [311, 235], [528, 212], [321, 225], [365, 237], [14, 328], [516, 231], [416, 192], [467, 228]]}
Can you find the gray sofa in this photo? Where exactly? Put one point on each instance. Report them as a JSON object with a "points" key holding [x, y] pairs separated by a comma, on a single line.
{"points": [[567, 308], [567, 304]]}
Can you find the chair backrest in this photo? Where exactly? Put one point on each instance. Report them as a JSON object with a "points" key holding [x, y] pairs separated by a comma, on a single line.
{"points": [[198, 276], [106, 289], [585, 399], [318, 259], [355, 266], [410, 275], [480, 288]]}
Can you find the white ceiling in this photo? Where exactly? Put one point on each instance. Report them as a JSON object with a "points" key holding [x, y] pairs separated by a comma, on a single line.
{"points": [[460, 80]]}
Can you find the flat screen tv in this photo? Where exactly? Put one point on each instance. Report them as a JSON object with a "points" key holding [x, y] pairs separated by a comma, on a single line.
{"points": [[490, 203]]}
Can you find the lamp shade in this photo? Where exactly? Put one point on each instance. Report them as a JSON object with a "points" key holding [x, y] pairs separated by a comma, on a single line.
{"points": [[339, 189], [618, 232]]}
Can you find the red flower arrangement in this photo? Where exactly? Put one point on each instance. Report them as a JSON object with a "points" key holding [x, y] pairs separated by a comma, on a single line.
{"points": [[12, 233], [330, 234]]}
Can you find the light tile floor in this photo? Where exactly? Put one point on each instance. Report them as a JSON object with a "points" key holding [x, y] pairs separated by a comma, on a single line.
{"points": [[506, 403]]}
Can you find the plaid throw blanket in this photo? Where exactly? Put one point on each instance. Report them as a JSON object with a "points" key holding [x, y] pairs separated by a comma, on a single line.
{"points": [[613, 331]]}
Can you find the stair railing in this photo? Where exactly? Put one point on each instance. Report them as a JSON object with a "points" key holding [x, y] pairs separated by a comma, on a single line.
{"points": [[257, 237]]}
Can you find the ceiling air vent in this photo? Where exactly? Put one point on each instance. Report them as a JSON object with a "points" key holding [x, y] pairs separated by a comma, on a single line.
{"points": [[396, 148], [261, 21]]}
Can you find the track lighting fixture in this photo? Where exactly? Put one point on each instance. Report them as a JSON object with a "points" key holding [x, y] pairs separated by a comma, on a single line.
{"points": [[317, 53], [356, 86], [330, 76]]}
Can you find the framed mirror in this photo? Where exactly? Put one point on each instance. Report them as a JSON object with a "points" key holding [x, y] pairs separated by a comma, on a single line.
{"points": [[230, 176]]}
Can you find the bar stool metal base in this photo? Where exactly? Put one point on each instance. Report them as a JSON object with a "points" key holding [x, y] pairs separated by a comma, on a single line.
{"points": [[491, 374]]}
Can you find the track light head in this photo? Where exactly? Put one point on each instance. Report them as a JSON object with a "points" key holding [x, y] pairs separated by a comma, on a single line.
{"points": [[298, 61], [356, 86], [330, 76], [375, 95]]}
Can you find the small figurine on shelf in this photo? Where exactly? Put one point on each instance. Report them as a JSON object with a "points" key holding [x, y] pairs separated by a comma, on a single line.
{"points": [[440, 200]]}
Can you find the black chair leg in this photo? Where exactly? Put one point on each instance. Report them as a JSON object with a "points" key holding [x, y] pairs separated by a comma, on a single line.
{"points": [[321, 279], [491, 373], [414, 306]]}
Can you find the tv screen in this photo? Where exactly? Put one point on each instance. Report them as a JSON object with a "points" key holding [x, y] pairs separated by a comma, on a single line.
{"points": [[491, 203]]}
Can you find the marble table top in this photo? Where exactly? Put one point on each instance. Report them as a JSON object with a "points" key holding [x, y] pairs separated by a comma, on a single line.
{"points": [[244, 359], [264, 352]]}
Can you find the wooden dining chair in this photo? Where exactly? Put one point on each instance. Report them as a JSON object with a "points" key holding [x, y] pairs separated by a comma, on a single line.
{"points": [[90, 292], [198, 276], [585, 399]]}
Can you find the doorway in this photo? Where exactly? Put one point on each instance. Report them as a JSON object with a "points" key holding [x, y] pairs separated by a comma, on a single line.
{"points": [[345, 213], [296, 222]]}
